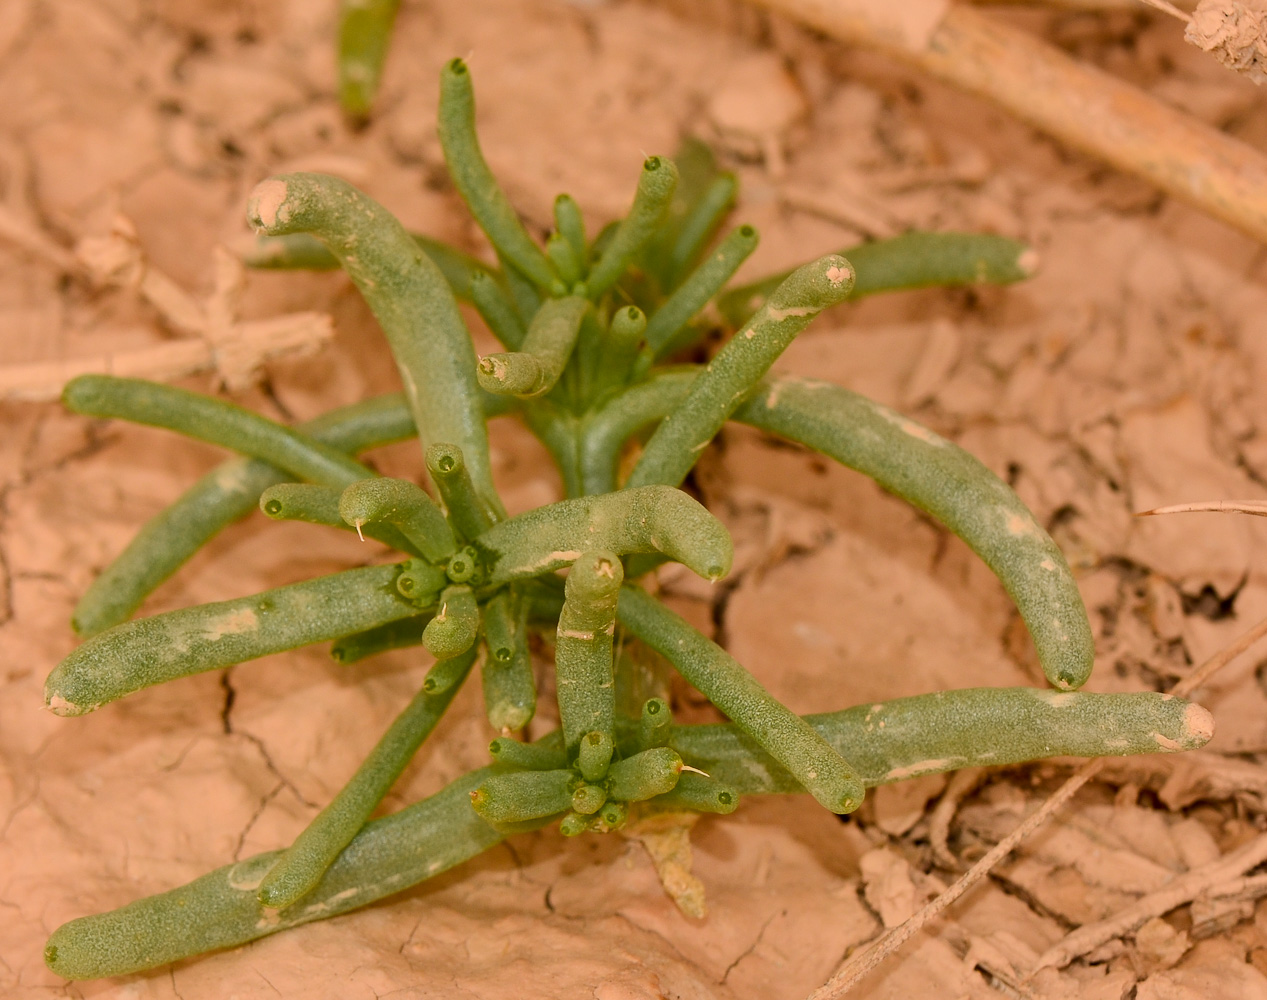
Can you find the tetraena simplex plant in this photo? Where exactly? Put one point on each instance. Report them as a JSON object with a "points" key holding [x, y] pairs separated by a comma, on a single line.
{"points": [[585, 325]]}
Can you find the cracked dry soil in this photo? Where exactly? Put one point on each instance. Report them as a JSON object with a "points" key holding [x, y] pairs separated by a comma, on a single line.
{"points": [[1126, 375]]}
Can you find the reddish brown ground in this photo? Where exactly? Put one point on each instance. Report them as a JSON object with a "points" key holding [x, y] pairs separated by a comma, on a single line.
{"points": [[1127, 374]]}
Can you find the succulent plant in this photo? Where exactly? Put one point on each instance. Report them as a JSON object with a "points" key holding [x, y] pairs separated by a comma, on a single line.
{"points": [[587, 327]]}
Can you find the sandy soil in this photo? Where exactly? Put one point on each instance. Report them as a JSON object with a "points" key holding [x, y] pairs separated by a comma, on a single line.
{"points": [[1122, 377]]}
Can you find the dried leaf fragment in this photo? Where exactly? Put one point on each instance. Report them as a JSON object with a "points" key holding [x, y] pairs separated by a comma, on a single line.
{"points": [[667, 839]]}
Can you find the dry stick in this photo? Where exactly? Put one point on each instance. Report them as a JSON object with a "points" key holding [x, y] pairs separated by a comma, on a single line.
{"points": [[1182, 890], [1219, 660], [1168, 8], [1255, 507], [1243, 889], [1082, 106], [860, 964]]}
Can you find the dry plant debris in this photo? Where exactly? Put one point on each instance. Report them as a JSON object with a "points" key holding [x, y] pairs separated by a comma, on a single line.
{"points": [[212, 337], [1234, 32], [1090, 110], [1125, 376]]}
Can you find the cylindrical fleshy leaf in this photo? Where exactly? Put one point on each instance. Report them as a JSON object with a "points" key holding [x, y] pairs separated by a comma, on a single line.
{"points": [[941, 478], [303, 864], [828, 776], [524, 795], [456, 624], [975, 727], [407, 294], [219, 498], [656, 184], [912, 260], [149, 651], [510, 691], [651, 519], [214, 421], [405, 506], [644, 775], [586, 683], [476, 183], [365, 31], [534, 369], [717, 391]]}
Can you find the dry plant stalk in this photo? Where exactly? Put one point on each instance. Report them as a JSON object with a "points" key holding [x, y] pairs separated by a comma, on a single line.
{"points": [[1083, 107], [1257, 507]]}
